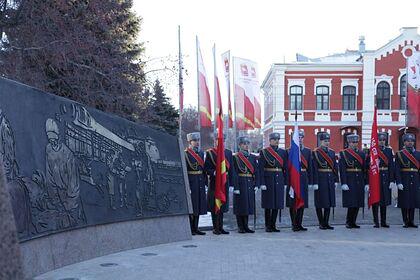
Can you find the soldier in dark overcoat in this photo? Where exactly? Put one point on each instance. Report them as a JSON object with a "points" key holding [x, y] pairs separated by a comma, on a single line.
{"points": [[407, 166], [354, 179], [197, 179], [325, 180], [273, 171]]}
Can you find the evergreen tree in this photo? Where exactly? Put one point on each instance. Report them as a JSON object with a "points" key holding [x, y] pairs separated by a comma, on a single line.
{"points": [[164, 115], [85, 50]]}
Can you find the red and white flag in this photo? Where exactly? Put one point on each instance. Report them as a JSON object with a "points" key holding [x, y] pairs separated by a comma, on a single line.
{"points": [[204, 103], [374, 178], [244, 91], [413, 90]]}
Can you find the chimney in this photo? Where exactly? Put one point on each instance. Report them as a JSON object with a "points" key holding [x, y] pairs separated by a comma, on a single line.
{"points": [[362, 46]]}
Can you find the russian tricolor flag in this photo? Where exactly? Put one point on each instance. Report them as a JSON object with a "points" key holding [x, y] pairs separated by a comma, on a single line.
{"points": [[294, 168]]}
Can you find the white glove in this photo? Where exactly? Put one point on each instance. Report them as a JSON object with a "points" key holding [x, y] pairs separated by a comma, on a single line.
{"points": [[392, 185], [292, 193], [366, 188], [214, 173], [237, 192], [231, 189], [315, 187], [345, 187], [337, 185], [263, 187], [400, 187]]}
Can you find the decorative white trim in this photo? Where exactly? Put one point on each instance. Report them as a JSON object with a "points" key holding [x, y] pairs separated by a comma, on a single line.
{"points": [[325, 75], [296, 82], [388, 79], [323, 82], [350, 82], [402, 73], [408, 47]]}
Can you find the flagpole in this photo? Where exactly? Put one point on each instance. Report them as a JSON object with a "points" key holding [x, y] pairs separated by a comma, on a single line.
{"points": [[198, 87], [406, 98], [180, 82], [214, 90], [235, 148]]}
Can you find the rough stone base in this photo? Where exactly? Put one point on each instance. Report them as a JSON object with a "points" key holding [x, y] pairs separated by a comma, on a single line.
{"points": [[51, 252]]}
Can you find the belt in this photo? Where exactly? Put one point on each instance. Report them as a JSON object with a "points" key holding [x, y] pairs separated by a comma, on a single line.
{"points": [[195, 172], [324, 169], [273, 169], [383, 168], [354, 170], [245, 175], [409, 169]]}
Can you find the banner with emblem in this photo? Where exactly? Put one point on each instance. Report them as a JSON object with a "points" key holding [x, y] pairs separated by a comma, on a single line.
{"points": [[204, 104], [413, 90], [246, 91]]}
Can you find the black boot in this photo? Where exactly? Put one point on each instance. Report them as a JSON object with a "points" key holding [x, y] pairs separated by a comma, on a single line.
{"points": [[355, 212], [349, 218], [327, 218], [404, 213], [293, 218], [197, 231], [300, 219], [240, 221], [411, 218], [222, 231], [320, 218], [375, 215], [267, 216], [215, 221], [192, 224], [247, 229], [274, 213], [383, 217]]}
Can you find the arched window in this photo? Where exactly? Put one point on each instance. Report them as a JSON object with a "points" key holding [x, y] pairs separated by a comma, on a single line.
{"points": [[296, 93], [322, 97], [403, 92], [349, 98], [383, 96]]}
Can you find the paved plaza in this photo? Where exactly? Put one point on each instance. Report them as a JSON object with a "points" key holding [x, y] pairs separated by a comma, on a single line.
{"points": [[365, 253]]}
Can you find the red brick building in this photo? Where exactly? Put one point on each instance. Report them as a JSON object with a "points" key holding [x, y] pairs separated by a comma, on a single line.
{"points": [[337, 94]]}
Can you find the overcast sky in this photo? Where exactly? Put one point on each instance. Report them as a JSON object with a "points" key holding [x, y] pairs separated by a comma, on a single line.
{"points": [[264, 31]]}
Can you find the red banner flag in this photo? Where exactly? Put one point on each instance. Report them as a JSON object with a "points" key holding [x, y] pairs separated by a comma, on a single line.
{"points": [[413, 90], [221, 178], [374, 178], [204, 105]]}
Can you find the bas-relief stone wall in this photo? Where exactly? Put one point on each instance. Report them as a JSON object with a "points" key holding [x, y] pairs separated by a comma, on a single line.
{"points": [[69, 166]]}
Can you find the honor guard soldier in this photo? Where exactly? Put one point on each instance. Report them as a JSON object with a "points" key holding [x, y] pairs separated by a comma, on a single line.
{"points": [[407, 166], [387, 180], [246, 168], [306, 172], [353, 176], [210, 168], [197, 179], [273, 176], [325, 179]]}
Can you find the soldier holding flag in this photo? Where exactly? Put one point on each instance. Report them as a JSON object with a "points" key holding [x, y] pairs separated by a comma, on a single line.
{"points": [[353, 175], [386, 174], [407, 166], [246, 168], [325, 179], [197, 179], [273, 170], [210, 168], [306, 172]]}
